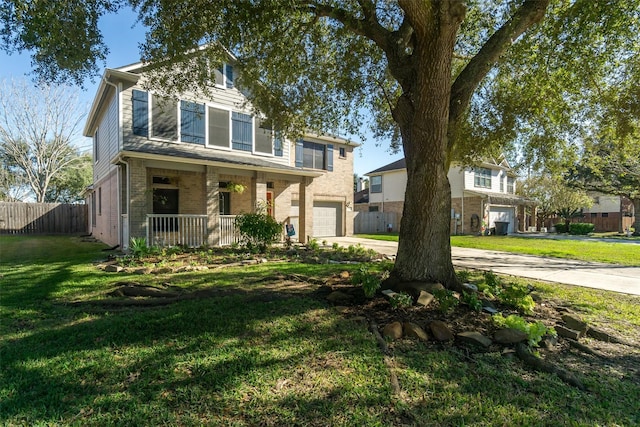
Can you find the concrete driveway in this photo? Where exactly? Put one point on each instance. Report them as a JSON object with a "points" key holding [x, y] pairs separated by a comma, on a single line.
{"points": [[588, 274]]}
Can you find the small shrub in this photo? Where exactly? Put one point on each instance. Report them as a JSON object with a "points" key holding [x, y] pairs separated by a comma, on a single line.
{"points": [[561, 227], [401, 300], [370, 281], [581, 228], [534, 330], [447, 300], [313, 245], [138, 247], [258, 230], [335, 246], [471, 299], [517, 296]]}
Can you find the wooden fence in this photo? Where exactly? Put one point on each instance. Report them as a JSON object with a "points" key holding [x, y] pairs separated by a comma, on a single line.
{"points": [[374, 222], [43, 218]]}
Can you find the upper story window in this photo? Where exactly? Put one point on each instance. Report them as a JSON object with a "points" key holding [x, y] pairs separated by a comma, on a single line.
{"points": [[140, 105], [482, 178], [264, 136], [192, 121], [164, 118], [241, 131], [278, 145], [314, 155], [343, 153], [511, 185], [224, 76], [376, 184], [501, 178]]}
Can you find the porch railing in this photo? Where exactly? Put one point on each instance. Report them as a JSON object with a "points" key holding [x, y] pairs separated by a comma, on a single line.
{"points": [[174, 230], [228, 232]]}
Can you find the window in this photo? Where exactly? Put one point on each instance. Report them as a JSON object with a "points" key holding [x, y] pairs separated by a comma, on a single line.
{"points": [[605, 214], [313, 155], [278, 145], [100, 201], [224, 203], [95, 146], [594, 214], [343, 153], [241, 131], [224, 76], [192, 122], [501, 183], [164, 118], [482, 177], [140, 105], [373, 208], [376, 184], [218, 127], [511, 185], [93, 209], [263, 137]]}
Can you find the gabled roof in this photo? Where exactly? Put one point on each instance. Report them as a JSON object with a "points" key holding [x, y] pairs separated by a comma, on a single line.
{"points": [[397, 165], [501, 163], [361, 196]]}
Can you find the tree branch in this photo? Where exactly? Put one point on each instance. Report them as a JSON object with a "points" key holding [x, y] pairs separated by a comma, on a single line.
{"points": [[529, 13]]}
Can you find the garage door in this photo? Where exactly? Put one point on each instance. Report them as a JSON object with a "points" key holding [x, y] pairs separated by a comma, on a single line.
{"points": [[501, 215], [327, 219]]}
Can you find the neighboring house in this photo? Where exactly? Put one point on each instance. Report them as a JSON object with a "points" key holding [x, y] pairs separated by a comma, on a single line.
{"points": [[169, 170], [482, 198], [608, 213]]}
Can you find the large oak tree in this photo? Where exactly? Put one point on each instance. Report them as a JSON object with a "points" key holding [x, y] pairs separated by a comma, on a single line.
{"points": [[411, 67]]}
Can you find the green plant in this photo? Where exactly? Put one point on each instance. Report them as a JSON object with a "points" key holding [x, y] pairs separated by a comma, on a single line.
{"points": [[491, 286], [561, 227], [517, 296], [401, 300], [313, 245], [370, 281], [471, 299], [534, 330], [335, 246], [463, 275], [447, 300], [581, 228], [138, 247], [258, 230]]}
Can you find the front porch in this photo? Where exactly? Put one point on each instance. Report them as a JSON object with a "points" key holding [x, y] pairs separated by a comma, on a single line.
{"points": [[196, 205], [189, 230]]}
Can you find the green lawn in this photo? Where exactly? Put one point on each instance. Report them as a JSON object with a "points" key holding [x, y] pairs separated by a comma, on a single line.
{"points": [[607, 252], [255, 352]]}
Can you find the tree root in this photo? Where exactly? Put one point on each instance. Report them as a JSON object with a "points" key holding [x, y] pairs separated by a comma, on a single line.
{"points": [[524, 354], [388, 361]]}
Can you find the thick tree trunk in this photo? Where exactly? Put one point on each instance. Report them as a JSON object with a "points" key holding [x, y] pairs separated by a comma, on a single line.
{"points": [[424, 249]]}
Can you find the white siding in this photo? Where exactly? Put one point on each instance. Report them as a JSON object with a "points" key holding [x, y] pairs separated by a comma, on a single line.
{"points": [[456, 179], [604, 204]]}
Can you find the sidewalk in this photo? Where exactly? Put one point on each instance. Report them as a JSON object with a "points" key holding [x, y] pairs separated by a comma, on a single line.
{"points": [[609, 277]]}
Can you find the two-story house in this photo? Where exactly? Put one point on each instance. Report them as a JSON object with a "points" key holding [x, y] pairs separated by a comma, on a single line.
{"points": [[173, 170], [483, 198]]}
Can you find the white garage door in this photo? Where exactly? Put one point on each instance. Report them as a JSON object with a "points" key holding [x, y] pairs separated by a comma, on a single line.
{"points": [[501, 214], [327, 219]]}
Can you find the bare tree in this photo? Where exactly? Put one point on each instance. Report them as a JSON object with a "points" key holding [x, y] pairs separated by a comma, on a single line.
{"points": [[38, 125]]}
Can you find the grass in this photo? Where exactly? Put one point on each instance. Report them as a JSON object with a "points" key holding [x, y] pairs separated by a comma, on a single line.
{"points": [[252, 356], [584, 250]]}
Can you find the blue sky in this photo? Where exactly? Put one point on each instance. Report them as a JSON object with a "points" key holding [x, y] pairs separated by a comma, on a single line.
{"points": [[122, 35]]}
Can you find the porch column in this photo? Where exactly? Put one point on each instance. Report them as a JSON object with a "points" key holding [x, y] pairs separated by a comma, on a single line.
{"points": [[259, 192], [138, 198], [213, 210], [306, 210]]}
